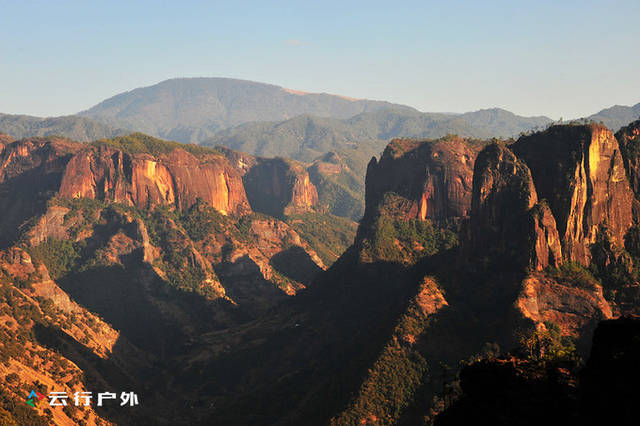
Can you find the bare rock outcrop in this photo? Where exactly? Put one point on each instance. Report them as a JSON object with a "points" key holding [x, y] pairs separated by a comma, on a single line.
{"points": [[177, 178], [507, 221], [580, 172], [433, 179], [279, 187]]}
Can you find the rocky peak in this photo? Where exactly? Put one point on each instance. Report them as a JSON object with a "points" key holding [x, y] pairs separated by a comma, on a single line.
{"points": [[506, 217], [30, 173], [4, 138], [629, 139], [274, 186], [24, 155], [580, 172], [432, 178], [144, 180], [279, 187]]}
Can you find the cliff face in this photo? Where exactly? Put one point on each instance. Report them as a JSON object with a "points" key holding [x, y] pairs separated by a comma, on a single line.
{"points": [[507, 222], [143, 180], [580, 172], [279, 187], [5, 138], [432, 178], [629, 139], [30, 173], [573, 309], [35, 157]]}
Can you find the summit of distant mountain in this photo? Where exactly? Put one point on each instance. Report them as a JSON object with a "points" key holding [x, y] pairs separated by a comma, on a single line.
{"points": [[193, 109], [617, 116]]}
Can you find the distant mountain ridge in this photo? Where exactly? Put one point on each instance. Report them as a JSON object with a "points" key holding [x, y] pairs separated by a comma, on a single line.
{"points": [[193, 109], [617, 116], [73, 127], [305, 137], [270, 120]]}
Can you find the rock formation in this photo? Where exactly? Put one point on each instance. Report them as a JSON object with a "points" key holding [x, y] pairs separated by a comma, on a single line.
{"points": [[629, 139], [507, 222], [4, 138], [274, 186], [30, 173], [580, 172], [143, 180], [432, 179], [279, 187], [574, 309]]}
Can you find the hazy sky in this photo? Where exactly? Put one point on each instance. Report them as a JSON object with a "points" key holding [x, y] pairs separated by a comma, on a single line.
{"points": [[557, 58]]}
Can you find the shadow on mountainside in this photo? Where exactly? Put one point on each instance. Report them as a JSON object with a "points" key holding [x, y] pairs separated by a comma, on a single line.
{"points": [[158, 325], [314, 366], [22, 198], [296, 263]]}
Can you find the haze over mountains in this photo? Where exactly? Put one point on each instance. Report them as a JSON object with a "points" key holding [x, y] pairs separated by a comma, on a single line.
{"points": [[192, 109], [265, 119], [305, 137], [71, 126], [617, 116], [230, 288]]}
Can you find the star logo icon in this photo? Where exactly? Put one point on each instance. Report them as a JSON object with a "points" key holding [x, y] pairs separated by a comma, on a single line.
{"points": [[34, 397]]}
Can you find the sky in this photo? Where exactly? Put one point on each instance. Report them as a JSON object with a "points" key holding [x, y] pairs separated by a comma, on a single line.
{"points": [[556, 58]]}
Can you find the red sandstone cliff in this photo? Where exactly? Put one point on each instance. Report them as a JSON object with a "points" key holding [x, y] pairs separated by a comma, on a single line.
{"points": [[507, 222], [580, 172], [275, 186], [432, 178], [143, 180], [629, 139]]}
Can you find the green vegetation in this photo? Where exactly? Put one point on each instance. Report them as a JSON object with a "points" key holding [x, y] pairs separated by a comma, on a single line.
{"points": [[408, 240], [84, 213], [200, 220], [177, 262], [30, 339], [14, 412], [395, 376], [615, 266], [342, 193], [632, 241], [191, 110], [328, 235], [549, 345], [141, 143], [59, 256], [306, 137], [575, 275], [73, 127]]}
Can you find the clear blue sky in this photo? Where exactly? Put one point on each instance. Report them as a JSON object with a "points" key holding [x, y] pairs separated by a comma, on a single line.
{"points": [[535, 57]]}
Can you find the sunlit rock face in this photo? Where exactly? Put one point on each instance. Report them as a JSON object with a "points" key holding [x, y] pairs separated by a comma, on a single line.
{"points": [[143, 180], [507, 220], [430, 179], [629, 139], [580, 172], [279, 187]]}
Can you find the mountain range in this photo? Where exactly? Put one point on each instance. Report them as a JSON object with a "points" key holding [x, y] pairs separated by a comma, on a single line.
{"points": [[214, 284], [306, 137], [272, 121], [71, 126], [193, 109]]}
